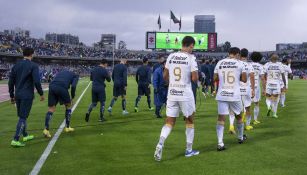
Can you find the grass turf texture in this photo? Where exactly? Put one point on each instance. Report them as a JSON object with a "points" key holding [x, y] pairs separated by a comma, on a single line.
{"points": [[125, 144]]}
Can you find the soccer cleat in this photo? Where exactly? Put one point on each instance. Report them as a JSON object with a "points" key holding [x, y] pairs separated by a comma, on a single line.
{"points": [[16, 144], [102, 119], [136, 109], [221, 148], [110, 110], [269, 112], [232, 129], [256, 122], [274, 116], [248, 128], [28, 138], [244, 137], [46, 133], [151, 109], [69, 129], [87, 117], [191, 153], [158, 153], [125, 112]]}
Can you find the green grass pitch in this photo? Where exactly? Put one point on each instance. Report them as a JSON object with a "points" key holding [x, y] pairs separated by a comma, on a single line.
{"points": [[125, 144]]}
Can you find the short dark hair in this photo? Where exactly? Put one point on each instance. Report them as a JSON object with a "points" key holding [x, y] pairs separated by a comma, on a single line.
{"points": [[145, 60], [187, 41], [256, 57], [234, 51], [285, 60], [27, 51], [103, 61], [244, 53]]}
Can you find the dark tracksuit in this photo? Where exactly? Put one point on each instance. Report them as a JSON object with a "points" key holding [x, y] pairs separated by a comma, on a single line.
{"points": [[98, 76], [58, 93], [157, 65], [143, 79], [119, 77], [211, 70], [23, 77], [160, 90], [205, 70]]}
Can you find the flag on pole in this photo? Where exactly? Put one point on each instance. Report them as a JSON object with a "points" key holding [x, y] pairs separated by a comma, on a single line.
{"points": [[159, 22], [173, 17], [180, 24]]}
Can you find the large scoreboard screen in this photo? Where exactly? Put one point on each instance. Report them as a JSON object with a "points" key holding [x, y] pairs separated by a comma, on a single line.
{"points": [[172, 40]]}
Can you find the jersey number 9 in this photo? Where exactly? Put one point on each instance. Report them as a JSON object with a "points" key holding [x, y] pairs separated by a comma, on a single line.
{"points": [[177, 73]]}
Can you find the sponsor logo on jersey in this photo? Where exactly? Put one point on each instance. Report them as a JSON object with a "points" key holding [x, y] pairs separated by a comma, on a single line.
{"points": [[227, 94], [176, 92]]}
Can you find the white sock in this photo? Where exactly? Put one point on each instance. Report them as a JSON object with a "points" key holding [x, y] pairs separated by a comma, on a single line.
{"points": [[282, 99], [274, 106], [268, 102], [240, 130], [166, 130], [248, 120], [190, 137], [220, 134], [231, 118], [256, 112]]}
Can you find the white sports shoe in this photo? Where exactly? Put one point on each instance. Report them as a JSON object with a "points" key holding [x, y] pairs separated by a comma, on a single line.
{"points": [[125, 112], [158, 153]]}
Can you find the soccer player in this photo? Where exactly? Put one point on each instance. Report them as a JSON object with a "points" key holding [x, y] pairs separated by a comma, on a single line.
{"points": [[273, 72], [119, 77], [180, 69], [23, 77], [211, 70], [98, 75], [157, 65], [143, 79], [259, 76], [160, 89], [58, 93], [247, 89], [288, 72], [206, 76], [229, 72]]}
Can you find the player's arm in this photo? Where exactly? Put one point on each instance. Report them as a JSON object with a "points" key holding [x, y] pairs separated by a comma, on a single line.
{"points": [[194, 77], [91, 77], [283, 78], [137, 76], [113, 74], [166, 75], [125, 74], [252, 79], [149, 75], [263, 82], [37, 83], [11, 84], [108, 77], [243, 77], [155, 81], [74, 86]]}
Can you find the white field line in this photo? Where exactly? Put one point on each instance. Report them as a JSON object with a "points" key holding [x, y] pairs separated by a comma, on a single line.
{"points": [[39, 164]]}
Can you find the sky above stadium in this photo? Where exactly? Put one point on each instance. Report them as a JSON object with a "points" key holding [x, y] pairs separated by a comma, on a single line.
{"points": [[254, 24]]}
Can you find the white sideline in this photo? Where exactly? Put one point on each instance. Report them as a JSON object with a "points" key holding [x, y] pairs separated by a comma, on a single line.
{"points": [[52, 142]]}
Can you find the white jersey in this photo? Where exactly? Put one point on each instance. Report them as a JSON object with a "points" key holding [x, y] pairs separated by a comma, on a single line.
{"points": [[258, 72], [180, 66], [287, 71], [245, 88], [274, 73], [229, 72]]}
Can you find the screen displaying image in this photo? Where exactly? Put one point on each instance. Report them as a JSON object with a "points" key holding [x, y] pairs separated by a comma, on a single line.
{"points": [[173, 40]]}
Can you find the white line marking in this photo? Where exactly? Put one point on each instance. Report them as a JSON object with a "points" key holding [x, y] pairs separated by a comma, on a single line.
{"points": [[39, 164]]}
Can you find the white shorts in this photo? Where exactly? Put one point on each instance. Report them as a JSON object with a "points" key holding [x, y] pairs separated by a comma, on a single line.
{"points": [[257, 96], [173, 108], [246, 100], [274, 91], [225, 106]]}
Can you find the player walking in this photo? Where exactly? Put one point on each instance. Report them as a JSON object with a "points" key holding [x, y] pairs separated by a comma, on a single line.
{"points": [[274, 71], [119, 77], [288, 72], [23, 77], [143, 79], [58, 93], [98, 75], [180, 69], [229, 72], [259, 76]]}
